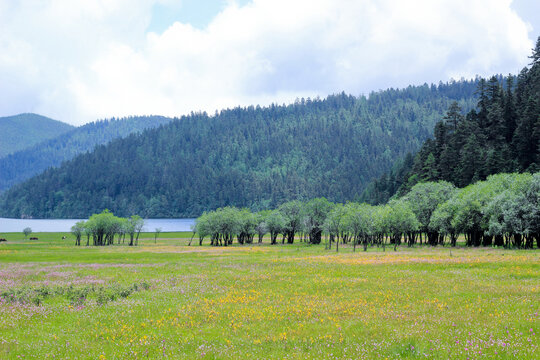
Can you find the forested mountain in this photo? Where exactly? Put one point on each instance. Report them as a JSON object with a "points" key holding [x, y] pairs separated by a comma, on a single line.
{"points": [[502, 134], [255, 157], [25, 130], [26, 163]]}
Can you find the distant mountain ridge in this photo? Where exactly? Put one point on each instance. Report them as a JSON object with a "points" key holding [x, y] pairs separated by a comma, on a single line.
{"points": [[26, 163], [256, 157], [21, 131]]}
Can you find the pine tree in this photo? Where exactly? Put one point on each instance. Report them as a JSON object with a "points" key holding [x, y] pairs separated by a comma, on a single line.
{"points": [[447, 163], [493, 90], [469, 161], [523, 140], [453, 116], [483, 103], [430, 171], [496, 130], [536, 53], [509, 115], [440, 132]]}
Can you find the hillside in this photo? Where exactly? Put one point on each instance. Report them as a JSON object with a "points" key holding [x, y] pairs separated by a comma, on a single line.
{"points": [[254, 157], [502, 134], [25, 130], [26, 163]]}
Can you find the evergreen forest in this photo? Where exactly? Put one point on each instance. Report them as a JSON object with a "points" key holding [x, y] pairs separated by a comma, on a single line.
{"points": [[22, 165], [255, 157], [22, 131], [501, 134]]}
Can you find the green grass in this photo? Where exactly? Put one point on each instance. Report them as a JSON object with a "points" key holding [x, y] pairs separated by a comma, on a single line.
{"points": [[261, 301]]}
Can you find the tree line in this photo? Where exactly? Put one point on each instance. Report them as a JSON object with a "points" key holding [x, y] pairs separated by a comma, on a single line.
{"points": [[502, 134], [103, 228], [255, 157], [503, 210]]}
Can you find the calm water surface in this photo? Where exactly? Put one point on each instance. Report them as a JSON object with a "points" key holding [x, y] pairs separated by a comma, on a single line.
{"points": [[64, 225]]}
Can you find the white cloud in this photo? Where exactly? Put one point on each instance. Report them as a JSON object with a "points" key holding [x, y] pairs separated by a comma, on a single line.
{"points": [[78, 61]]}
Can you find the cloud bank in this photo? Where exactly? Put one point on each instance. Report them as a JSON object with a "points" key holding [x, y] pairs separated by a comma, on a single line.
{"points": [[79, 61]]}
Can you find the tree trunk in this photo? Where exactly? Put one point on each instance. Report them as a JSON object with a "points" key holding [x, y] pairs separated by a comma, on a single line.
{"points": [[453, 239], [290, 237], [517, 240], [487, 240], [315, 236], [433, 238], [499, 240]]}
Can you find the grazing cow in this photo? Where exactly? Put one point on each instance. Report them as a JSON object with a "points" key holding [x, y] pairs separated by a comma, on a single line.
{"points": [[1, 240], [63, 238], [33, 238]]}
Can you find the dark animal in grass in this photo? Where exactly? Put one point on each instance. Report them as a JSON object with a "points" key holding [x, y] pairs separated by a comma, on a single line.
{"points": [[63, 238], [1, 240], [34, 238]]}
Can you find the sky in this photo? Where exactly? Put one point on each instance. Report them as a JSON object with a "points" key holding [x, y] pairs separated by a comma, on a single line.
{"points": [[78, 61]]}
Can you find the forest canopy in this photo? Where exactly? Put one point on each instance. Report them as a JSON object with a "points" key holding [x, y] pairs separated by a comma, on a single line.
{"points": [[501, 134], [503, 210], [255, 157], [22, 165]]}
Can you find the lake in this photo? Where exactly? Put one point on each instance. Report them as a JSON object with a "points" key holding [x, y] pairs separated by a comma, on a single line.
{"points": [[64, 225]]}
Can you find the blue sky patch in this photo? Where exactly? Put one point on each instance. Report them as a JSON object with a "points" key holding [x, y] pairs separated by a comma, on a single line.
{"points": [[195, 12]]}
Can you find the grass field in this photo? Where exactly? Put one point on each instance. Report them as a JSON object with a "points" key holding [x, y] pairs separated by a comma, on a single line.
{"points": [[168, 300]]}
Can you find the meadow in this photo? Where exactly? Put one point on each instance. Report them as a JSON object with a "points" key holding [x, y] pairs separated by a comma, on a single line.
{"points": [[165, 299]]}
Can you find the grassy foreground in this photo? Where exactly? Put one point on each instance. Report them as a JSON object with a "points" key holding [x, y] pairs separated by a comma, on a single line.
{"points": [[168, 300]]}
